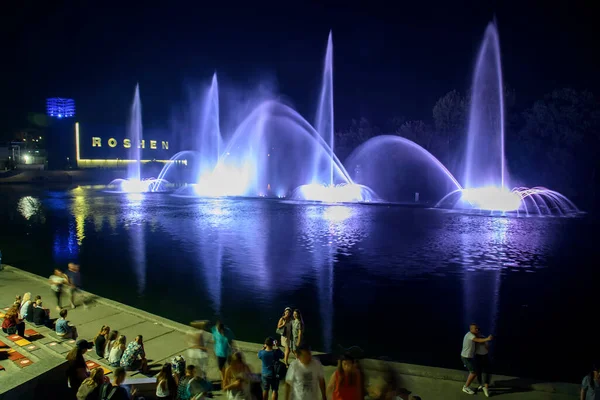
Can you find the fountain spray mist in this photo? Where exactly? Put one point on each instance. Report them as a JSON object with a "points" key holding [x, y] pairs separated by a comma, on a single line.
{"points": [[324, 119], [136, 135], [485, 161]]}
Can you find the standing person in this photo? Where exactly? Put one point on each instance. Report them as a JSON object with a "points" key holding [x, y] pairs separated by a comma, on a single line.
{"points": [[223, 337], [74, 282], [590, 386], [57, 281], [346, 381], [269, 355], [101, 339], [297, 331], [305, 377], [468, 354], [284, 328], [482, 366], [197, 354], [237, 379], [76, 369], [134, 356]]}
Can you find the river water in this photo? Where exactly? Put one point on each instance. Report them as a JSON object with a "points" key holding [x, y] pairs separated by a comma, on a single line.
{"points": [[398, 282]]}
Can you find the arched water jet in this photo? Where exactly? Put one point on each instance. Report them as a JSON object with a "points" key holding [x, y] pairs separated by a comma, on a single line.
{"points": [[397, 168]]}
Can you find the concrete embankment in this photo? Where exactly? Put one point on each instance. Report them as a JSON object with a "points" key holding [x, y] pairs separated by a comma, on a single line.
{"points": [[165, 339]]}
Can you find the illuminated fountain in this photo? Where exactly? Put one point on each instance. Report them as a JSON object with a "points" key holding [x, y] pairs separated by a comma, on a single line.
{"points": [[134, 182], [273, 152], [486, 176], [327, 188]]}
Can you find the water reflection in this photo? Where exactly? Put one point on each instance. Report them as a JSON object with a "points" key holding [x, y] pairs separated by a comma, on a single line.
{"points": [[134, 224], [483, 257], [28, 206]]}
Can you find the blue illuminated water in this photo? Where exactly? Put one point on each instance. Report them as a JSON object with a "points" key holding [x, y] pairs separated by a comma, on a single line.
{"points": [[399, 282]]}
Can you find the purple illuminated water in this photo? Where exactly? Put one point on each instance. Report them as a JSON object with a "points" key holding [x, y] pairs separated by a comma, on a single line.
{"points": [[324, 119], [484, 157]]}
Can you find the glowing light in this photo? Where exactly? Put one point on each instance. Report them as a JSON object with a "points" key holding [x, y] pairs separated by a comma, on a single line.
{"points": [[28, 206], [136, 185], [26, 158], [224, 181], [337, 213], [342, 193], [492, 198], [59, 107], [77, 151]]}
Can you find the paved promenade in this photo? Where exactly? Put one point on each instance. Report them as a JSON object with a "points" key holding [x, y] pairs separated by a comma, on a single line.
{"points": [[165, 339]]}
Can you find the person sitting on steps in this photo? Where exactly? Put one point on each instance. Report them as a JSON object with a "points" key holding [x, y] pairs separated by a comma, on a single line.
{"points": [[63, 328]]}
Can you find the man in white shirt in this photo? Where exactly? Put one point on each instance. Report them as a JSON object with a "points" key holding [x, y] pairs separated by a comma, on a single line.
{"points": [[468, 354], [305, 377]]}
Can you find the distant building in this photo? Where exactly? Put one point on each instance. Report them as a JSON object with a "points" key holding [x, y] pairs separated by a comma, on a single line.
{"points": [[58, 107]]}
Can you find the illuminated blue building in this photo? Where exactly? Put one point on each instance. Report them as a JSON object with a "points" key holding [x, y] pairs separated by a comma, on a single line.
{"points": [[58, 107]]}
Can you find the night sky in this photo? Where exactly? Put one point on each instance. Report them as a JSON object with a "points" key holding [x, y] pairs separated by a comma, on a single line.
{"points": [[388, 60]]}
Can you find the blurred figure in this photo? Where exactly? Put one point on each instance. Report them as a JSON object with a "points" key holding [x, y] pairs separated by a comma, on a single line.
{"points": [[346, 381], [74, 282], [297, 331], [197, 354], [237, 379], [305, 378], [223, 337], [468, 354], [57, 281], [269, 356], [590, 386], [284, 328]]}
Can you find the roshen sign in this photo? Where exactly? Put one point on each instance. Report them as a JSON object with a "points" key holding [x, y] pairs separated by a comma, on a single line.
{"points": [[127, 143]]}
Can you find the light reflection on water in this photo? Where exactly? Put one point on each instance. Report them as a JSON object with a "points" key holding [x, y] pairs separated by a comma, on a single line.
{"points": [[239, 257]]}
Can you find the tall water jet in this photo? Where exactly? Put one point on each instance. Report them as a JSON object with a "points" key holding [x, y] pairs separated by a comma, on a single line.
{"points": [[485, 163], [207, 132], [324, 118], [135, 132]]}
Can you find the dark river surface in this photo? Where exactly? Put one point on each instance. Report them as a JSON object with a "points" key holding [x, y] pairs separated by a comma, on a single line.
{"points": [[398, 282]]}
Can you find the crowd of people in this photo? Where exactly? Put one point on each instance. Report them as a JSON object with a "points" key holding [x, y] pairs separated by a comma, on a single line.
{"points": [[185, 378]]}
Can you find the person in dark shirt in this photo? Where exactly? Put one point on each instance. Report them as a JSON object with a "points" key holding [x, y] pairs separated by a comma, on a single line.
{"points": [[40, 314], [116, 391], [100, 340], [77, 371], [270, 355]]}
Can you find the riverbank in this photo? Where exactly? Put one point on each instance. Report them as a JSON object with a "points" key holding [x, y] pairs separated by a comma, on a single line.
{"points": [[164, 339]]}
